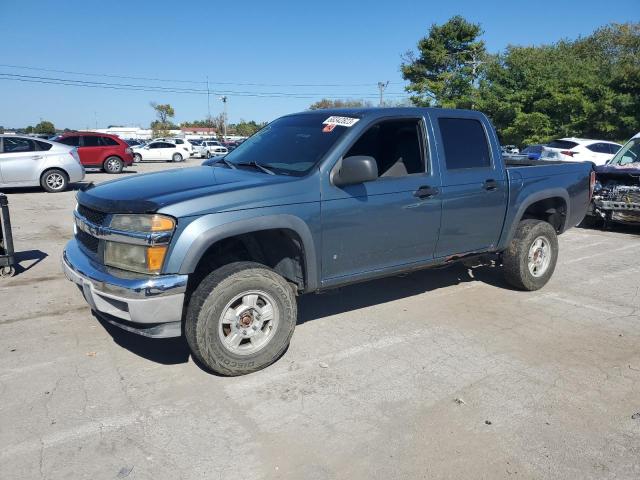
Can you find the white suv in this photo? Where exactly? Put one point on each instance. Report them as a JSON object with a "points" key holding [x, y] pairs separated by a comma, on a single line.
{"points": [[580, 150], [182, 143]]}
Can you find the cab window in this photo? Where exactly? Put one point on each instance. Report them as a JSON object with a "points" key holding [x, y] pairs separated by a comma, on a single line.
{"points": [[396, 145]]}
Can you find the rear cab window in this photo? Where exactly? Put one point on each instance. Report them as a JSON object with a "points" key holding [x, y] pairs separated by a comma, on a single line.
{"points": [[465, 143]]}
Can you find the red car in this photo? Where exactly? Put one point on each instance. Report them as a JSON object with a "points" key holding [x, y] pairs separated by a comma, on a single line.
{"points": [[99, 150]]}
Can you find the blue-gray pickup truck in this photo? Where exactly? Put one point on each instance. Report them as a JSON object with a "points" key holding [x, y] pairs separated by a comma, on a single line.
{"points": [[313, 201]]}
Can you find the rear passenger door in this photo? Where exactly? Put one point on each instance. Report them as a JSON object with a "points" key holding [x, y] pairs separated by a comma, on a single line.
{"points": [[474, 189], [91, 150]]}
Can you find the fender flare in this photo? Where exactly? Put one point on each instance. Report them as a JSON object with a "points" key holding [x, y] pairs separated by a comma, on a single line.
{"points": [[208, 237], [530, 200]]}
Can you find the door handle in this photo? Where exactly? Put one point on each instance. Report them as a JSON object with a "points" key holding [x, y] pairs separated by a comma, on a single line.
{"points": [[490, 184], [37, 157], [426, 192]]}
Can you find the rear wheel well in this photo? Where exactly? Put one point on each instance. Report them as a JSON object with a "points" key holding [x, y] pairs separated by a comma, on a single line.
{"points": [[279, 249], [60, 169], [551, 210]]}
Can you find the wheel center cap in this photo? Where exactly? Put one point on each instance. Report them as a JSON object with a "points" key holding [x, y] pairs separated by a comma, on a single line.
{"points": [[246, 319]]}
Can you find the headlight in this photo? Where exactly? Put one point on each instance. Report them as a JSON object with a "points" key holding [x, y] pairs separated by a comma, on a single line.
{"points": [[136, 258], [133, 256], [143, 223]]}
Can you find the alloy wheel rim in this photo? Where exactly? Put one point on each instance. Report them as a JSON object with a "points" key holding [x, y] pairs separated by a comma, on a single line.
{"points": [[55, 181], [113, 165], [248, 322], [539, 257]]}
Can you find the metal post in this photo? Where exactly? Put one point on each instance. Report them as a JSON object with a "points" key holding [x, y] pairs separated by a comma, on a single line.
{"points": [[381, 87], [224, 117], [208, 101]]}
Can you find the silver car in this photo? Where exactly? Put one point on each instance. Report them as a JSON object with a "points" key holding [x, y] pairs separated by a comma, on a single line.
{"points": [[29, 162]]}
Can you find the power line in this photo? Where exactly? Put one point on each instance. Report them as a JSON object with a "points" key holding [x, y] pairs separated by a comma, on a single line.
{"points": [[159, 89], [155, 79]]}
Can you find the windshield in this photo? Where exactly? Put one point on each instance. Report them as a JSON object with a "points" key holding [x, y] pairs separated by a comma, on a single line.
{"points": [[628, 154], [290, 145]]}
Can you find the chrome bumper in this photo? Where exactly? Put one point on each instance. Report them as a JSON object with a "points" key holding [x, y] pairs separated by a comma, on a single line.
{"points": [[152, 301]]}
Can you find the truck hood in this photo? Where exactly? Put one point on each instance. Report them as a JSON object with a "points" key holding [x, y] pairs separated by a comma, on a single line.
{"points": [[148, 193], [624, 174]]}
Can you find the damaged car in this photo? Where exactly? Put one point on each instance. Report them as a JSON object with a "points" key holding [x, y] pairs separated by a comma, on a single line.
{"points": [[616, 194]]}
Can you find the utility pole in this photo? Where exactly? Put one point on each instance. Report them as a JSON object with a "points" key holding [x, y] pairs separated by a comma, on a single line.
{"points": [[224, 117], [208, 101], [382, 86], [95, 117]]}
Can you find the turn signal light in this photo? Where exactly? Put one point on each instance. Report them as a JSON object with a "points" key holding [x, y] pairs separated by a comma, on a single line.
{"points": [[155, 257]]}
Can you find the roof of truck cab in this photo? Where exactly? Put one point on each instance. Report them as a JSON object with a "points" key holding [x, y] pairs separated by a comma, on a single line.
{"points": [[372, 112]]}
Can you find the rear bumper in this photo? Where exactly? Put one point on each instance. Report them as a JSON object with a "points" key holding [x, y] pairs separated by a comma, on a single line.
{"points": [[144, 304]]}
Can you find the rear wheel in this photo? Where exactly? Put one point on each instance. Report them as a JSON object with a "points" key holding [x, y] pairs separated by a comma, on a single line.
{"points": [[176, 157], [240, 318], [137, 157], [113, 165], [54, 180], [531, 257]]}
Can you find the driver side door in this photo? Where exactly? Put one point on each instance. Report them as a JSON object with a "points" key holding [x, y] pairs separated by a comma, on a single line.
{"points": [[391, 222]]}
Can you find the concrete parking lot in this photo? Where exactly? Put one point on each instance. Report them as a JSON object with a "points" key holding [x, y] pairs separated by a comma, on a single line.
{"points": [[439, 374]]}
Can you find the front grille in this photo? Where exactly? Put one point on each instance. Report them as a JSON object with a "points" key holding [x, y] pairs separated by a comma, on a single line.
{"points": [[94, 216], [89, 242]]}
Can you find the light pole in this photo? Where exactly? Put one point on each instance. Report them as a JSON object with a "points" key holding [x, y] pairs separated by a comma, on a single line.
{"points": [[224, 117], [382, 86]]}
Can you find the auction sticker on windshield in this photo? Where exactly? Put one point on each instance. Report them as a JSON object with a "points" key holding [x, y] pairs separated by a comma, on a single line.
{"points": [[341, 121]]}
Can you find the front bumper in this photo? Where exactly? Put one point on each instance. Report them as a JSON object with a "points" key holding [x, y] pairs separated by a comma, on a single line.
{"points": [[149, 305]]}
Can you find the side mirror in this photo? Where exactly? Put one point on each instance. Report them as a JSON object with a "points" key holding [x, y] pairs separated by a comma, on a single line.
{"points": [[356, 169]]}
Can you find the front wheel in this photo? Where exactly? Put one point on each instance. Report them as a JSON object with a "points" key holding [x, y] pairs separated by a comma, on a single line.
{"points": [[176, 157], [240, 318], [54, 180], [137, 158], [531, 257]]}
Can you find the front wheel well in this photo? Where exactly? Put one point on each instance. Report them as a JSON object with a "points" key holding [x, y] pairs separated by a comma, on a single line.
{"points": [[551, 210], [280, 249]]}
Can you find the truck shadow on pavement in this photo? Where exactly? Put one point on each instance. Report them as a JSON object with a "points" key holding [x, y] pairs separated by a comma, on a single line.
{"points": [[174, 351], [376, 292]]}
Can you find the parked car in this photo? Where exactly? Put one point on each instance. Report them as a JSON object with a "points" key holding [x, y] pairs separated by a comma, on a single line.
{"points": [[510, 150], [99, 150], [183, 143], [580, 150], [314, 201], [616, 196], [160, 151], [532, 152], [29, 162], [211, 148]]}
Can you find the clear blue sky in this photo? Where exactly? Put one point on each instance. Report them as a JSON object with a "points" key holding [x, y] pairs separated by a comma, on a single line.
{"points": [[353, 44]]}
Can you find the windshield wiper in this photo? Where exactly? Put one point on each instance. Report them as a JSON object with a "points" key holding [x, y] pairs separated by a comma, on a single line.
{"points": [[226, 162], [255, 164]]}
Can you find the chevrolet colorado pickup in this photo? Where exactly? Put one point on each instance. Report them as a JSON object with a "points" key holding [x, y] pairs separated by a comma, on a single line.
{"points": [[315, 200]]}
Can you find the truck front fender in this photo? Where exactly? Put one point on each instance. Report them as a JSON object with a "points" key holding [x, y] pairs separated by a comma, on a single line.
{"points": [[203, 232]]}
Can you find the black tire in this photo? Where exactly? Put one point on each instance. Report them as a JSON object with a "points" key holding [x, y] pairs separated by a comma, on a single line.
{"points": [[113, 165], [54, 180], [176, 158], [137, 158], [515, 259], [208, 155], [209, 303]]}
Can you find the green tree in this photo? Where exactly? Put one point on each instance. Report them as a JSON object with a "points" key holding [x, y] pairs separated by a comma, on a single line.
{"points": [[45, 127], [327, 103], [588, 87], [162, 125], [447, 65], [246, 129]]}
